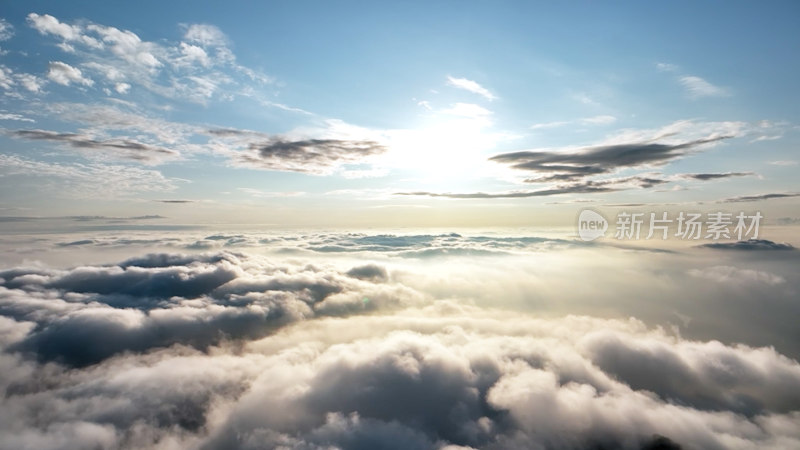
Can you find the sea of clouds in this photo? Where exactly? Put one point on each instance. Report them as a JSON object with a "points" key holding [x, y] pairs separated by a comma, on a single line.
{"points": [[187, 339]]}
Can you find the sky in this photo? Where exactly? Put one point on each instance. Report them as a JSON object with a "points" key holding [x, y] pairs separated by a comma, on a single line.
{"points": [[413, 226], [348, 114]]}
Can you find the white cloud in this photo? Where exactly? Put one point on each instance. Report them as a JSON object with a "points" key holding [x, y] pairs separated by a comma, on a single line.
{"points": [[6, 77], [783, 163], [64, 74], [548, 125], [47, 24], [471, 86], [31, 82], [594, 120], [599, 120], [666, 67], [206, 35], [6, 30], [698, 87], [193, 54], [86, 180], [17, 117], [736, 276], [122, 88]]}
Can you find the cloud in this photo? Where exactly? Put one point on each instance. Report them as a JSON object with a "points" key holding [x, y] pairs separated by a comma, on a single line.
{"points": [[6, 30], [198, 69], [734, 276], [17, 117], [602, 159], [86, 180], [64, 74], [312, 156], [666, 67], [205, 35], [471, 86], [594, 120], [714, 176], [750, 244], [760, 197], [47, 24], [441, 376], [599, 120], [783, 163], [698, 87], [163, 299], [120, 147]]}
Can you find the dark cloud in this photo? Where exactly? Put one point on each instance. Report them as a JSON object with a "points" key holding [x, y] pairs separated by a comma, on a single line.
{"points": [[759, 197], [175, 201], [714, 176], [125, 148], [314, 156], [371, 272], [750, 244], [163, 299], [596, 160]]}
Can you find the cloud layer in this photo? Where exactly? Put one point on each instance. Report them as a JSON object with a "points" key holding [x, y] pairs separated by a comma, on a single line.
{"points": [[337, 340]]}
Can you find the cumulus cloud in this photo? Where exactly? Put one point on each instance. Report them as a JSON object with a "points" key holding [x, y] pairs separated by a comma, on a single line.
{"points": [[337, 340], [442, 376], [199, 68], [64, 74]]}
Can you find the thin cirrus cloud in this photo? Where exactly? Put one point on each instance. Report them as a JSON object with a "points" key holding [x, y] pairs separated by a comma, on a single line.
{"points": [[604, 119], [471, 86], [698, 87], [94, 180]]}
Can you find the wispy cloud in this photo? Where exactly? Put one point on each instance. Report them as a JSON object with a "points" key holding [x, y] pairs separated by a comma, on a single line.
{"points": [[714, 176], [119, 147], [594, 120], [760, 197], [86, 180], [698, 87], [471, 86]]}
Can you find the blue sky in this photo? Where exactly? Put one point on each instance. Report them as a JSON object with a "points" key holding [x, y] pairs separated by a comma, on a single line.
{"points": [[368, 114]]}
